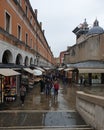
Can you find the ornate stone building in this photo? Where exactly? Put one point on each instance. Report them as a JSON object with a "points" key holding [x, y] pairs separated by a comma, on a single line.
{"points": [[87, 55]]}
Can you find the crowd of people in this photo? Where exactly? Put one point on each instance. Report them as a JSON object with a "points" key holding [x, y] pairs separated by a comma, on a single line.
{"points": [[49, 85]]}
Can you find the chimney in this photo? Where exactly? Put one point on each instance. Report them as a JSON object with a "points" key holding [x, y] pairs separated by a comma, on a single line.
{"points": [[41, 25], [43, 31], [36, 12]]}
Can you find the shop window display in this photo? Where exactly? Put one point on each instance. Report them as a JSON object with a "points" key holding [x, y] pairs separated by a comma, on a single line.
{"points": [[1, 88], [10, 88]]}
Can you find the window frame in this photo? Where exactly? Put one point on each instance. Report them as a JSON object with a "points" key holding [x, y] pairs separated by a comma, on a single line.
{"points": [[10, 22], [19, 37], [26, 38]]}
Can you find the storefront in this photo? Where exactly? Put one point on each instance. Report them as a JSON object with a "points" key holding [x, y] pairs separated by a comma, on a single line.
{"points": [[68, 74], [90, 76], [1, 88], [8, 85], [88, 72]]}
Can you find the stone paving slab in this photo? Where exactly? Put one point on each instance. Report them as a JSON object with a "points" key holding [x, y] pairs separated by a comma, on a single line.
{"points": [[10, 128], [40, 119], [40, 112], [52, 129]]}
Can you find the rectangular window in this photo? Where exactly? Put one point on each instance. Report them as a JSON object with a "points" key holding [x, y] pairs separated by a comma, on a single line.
{"points": [[7, 26], [19, 32], [26, 40], [31, 19], [31, 43], [26, 11], [34, 26]]}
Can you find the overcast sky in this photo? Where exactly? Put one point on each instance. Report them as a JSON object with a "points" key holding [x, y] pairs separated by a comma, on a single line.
{"points": [[60, 17]]}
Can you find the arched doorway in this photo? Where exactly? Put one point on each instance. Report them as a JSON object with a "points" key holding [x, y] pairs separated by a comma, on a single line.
{"points": [[31, 61], [19, 59], [7, 57], [26, 61]]}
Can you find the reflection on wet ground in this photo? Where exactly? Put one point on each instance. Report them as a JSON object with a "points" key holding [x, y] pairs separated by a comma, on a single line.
{"points": [[40, 119], [66, 119], [41, 111], [66, 100]]}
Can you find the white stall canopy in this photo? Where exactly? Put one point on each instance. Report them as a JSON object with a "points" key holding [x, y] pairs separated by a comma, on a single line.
{"points": [[28, 70], [85, 70], [8, 72], [37, 72]]}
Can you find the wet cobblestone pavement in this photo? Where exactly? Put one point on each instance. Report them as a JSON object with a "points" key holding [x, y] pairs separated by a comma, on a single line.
{"points": [[40, 111]]}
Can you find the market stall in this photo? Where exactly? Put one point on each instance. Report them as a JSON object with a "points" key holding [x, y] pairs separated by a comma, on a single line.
{"points": [[8, 85]]}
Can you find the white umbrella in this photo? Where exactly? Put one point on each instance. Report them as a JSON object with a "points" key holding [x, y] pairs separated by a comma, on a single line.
{"points": [[37, 72]]}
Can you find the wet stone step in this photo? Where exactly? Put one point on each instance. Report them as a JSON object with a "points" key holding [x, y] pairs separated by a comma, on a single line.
{"points": [[46, 128], [42, 120]]}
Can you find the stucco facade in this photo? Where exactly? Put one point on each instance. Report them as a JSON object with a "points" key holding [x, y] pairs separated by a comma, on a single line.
{"points": [[22, 40], [90, 48], [87, 55]]}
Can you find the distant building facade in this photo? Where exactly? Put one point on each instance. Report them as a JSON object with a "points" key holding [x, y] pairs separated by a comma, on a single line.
{"points": [[57, 61], [62, 57]]}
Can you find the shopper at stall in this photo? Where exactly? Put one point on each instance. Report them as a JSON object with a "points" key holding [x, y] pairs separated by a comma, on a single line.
{"points": [[22, 94]]}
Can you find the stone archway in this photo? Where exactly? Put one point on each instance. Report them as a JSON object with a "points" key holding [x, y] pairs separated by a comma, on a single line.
{"points": [[35, 61], [19, 59], [26, 61], [31, 61], [7, 57]]}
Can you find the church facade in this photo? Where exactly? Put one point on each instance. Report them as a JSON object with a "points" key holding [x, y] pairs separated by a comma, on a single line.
{"points": [[87, 55]]}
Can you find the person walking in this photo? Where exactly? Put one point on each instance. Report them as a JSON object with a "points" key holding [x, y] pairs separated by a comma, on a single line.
{"points": [[47, 87], [42, 86], [56, 87], [22, 94]]}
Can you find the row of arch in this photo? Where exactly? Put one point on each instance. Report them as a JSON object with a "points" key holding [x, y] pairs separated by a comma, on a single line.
{"points": [[7, 57]]}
